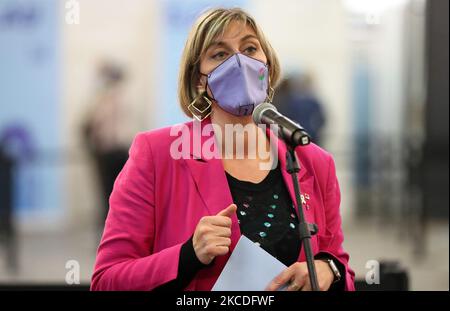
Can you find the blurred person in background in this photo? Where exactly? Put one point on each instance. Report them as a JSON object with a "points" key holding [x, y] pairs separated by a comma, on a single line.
{"points": [[173, 222], [106, 129], [7, 230], [17, 150], [296, 99]]}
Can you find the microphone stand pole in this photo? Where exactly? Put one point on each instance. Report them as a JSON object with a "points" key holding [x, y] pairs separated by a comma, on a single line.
{"points": [[306, 230]]}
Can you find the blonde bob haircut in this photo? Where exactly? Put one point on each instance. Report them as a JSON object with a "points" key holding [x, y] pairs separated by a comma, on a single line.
{"points": [[208, 27]]}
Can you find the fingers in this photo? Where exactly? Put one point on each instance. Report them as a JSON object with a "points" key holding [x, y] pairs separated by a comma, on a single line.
{"points": [[218, 251], [222, 231], [212, 235], [220, 241], [293, 286], [208, 232], [300, 280], [307, 286], [281, 279], [218, 246], [210, 242], [229, 211], [222, 221], [296, 275], [223, 217]]}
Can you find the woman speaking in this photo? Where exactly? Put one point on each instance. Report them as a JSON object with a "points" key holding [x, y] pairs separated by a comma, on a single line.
{"points": [[176, 212]]}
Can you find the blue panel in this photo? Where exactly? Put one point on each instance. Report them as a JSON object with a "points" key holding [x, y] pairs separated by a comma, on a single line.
{"points": [[30, 100]]}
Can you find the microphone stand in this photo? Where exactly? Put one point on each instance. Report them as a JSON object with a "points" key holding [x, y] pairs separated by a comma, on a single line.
{"points": [[305, 230]]}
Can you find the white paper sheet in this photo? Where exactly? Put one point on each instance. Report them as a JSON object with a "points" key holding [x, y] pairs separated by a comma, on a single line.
{"points": [[249, 268]]}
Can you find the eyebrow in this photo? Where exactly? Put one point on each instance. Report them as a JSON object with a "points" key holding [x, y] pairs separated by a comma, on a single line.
{"points": [[221, 43], [249, 37]]}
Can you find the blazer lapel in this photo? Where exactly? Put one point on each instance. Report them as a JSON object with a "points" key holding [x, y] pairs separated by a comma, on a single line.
{"points": [[209, 176]]}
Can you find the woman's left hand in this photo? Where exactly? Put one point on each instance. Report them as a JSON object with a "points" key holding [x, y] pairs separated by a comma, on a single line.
{"points": [[297, 275]]}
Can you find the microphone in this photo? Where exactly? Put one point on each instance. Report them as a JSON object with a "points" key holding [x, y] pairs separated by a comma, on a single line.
{"points": [[291, 132]]}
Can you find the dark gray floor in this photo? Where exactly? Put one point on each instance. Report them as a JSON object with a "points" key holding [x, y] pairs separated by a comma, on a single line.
{"points": [[42, 257]]}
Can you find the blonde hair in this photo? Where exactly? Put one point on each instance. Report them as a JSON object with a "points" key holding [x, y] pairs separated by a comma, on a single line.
{"points": [[206, 29]]}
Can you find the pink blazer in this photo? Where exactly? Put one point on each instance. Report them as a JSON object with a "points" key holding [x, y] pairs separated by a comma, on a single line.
{"points": [[157, 202]]}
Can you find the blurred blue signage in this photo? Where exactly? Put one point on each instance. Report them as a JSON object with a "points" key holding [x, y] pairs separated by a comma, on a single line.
{"points": [[30, 102]]}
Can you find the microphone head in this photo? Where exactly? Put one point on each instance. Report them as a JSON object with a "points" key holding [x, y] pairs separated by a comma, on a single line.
{"points": [[259, 111]]}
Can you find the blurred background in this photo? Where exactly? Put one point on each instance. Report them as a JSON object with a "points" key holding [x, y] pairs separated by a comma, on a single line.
{"points": [[367, 78]]}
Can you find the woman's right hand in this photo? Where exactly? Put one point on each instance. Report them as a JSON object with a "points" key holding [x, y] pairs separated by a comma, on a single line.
{"points": [[212, 236]]}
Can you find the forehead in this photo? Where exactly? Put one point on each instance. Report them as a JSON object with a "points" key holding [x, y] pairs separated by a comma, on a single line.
{"points": [[235, 30]]}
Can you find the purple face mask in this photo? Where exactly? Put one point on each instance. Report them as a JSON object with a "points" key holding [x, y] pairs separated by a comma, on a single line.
{"points": [[239, 84]]}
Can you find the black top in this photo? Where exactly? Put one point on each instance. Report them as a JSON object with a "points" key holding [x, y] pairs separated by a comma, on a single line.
{"points": [[266, 215]]}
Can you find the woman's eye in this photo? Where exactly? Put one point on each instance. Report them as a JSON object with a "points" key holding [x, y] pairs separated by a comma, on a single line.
{"points": [[219, 56], [250, 50]]}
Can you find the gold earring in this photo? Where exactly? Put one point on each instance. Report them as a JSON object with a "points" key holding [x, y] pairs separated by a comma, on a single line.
{"points": [[196, 112], [269, 98]]}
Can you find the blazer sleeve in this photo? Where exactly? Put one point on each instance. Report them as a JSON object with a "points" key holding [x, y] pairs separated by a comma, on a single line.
{"points": [[331, 242], [125, 258]]}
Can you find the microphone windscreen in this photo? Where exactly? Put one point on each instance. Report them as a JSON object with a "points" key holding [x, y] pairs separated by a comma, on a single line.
{"points": [[259, 111]]}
